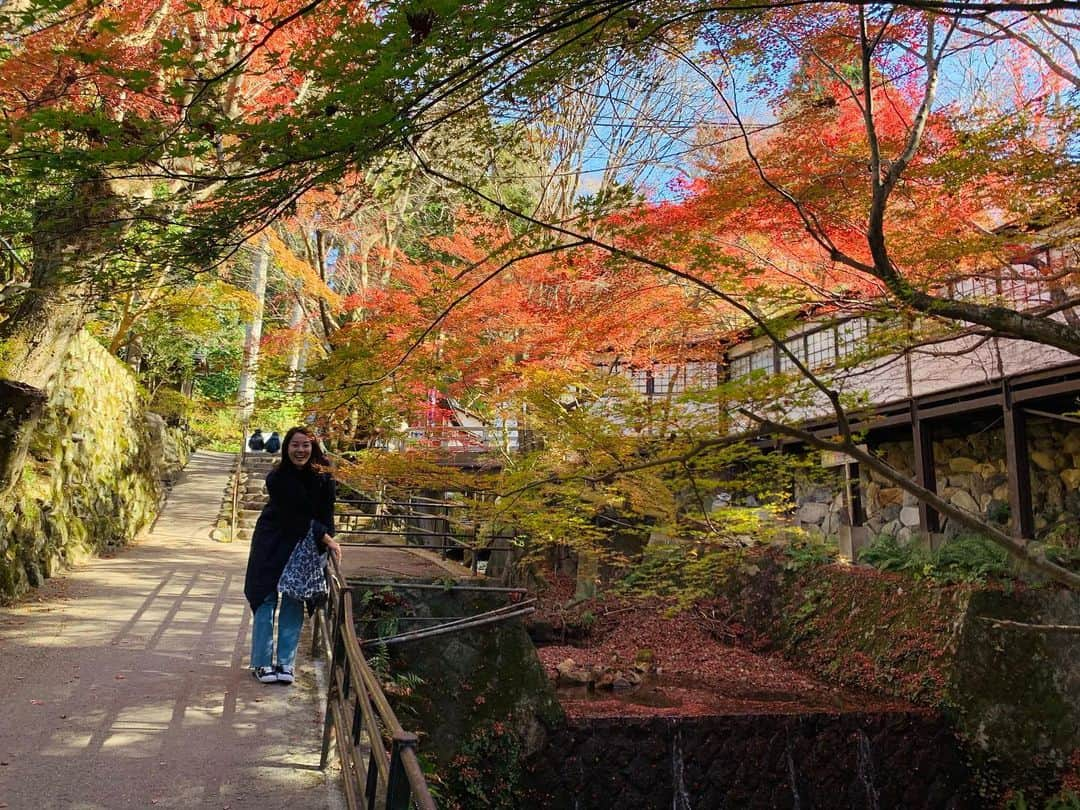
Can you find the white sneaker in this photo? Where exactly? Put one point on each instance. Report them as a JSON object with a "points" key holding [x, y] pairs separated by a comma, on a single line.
{"points": [[285, 675], [265, 674]]}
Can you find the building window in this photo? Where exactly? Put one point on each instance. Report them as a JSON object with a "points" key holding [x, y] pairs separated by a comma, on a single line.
{"points": [[1024, 287], [763, 360], [668, 380], [815, 349], [821, 347], [798, 348], [851, 335], [740, 366], [641, 381], [976, 288], [701, 375]]}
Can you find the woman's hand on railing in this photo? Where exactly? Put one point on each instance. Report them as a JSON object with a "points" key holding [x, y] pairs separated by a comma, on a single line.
{"points": [[333, 546]]}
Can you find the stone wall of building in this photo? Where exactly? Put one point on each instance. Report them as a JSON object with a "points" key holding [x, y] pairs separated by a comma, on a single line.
{"points": [[971, 474], [94, 475]]}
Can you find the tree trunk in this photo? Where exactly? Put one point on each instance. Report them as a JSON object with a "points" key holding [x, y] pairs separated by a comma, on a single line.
{"points": [[69, 243], [297, 356], [252, 335]]}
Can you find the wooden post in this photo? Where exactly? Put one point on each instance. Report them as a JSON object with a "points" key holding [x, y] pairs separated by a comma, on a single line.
{"points": [[856, 513], [922, 436], [398, 791], [1019, 467]]}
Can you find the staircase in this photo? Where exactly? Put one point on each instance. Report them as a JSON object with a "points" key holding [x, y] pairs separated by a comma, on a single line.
{"points": [[253, 495], [252, 498]]}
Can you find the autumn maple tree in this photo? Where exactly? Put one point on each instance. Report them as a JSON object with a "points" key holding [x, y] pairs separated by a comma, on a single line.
{"points": [[842, 152], [115, 115]]}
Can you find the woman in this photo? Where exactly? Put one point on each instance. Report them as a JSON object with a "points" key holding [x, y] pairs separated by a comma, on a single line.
{"points": [[301, 498]]}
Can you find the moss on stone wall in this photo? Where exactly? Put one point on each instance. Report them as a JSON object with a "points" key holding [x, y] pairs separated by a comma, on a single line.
{"points": [[1015, 692], [1011, 694], [859, 627], [92, 478], [480, 697]]}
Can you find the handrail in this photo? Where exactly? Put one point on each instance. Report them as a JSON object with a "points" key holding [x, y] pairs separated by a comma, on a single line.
{"points": [[457, 533], [356, 707], [237, 472]]}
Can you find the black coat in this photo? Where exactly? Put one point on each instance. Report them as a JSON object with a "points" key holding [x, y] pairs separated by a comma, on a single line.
{"points": [[296, 498]]}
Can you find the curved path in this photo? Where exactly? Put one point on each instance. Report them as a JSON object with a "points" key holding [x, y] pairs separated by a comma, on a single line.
{"points": [[125, 682]]}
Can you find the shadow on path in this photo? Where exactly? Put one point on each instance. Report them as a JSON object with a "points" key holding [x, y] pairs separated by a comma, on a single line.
{"points": [[127, 682]]}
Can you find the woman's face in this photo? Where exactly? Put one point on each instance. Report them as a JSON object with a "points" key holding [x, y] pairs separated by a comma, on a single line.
{"points": [[299, 449]]}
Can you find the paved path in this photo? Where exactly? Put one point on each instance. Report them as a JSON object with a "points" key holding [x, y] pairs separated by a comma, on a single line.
{"points": [[126, 682]]}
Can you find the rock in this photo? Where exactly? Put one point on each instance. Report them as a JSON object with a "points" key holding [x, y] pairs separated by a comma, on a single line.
{"points": [[879, 478], [962, 464], [1055, 497], [904, 535], [909, 516], [1001, 493], [891, 528], [811, 513], [909, 499], [570, 674], [1071, 478], [962, 500], [950, 447], [1044, 460], [871, 503], [892, 496], [984, 502], [1072, 441], [899, 457], [960, 481], [890, 513], [621, 682]]}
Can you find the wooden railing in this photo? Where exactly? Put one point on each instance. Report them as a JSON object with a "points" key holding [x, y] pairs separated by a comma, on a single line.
{"points": [[359, 718], [238, 471], [427, 523]]}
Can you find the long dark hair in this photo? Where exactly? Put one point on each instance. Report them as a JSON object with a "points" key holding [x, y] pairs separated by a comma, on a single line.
{"points": [[317, 461]]}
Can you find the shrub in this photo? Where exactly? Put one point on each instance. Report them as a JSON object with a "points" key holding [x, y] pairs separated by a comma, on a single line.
{"points": [[970, 558], [171, 405], [965, 558], [215, 426]]}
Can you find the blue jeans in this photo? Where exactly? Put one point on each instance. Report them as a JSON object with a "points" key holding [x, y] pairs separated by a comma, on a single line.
{"points": [[290, 620]]}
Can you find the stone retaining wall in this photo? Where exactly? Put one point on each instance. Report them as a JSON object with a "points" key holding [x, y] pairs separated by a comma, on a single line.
{"points": [[94, 475], [820, 761], [1010, 691]]}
